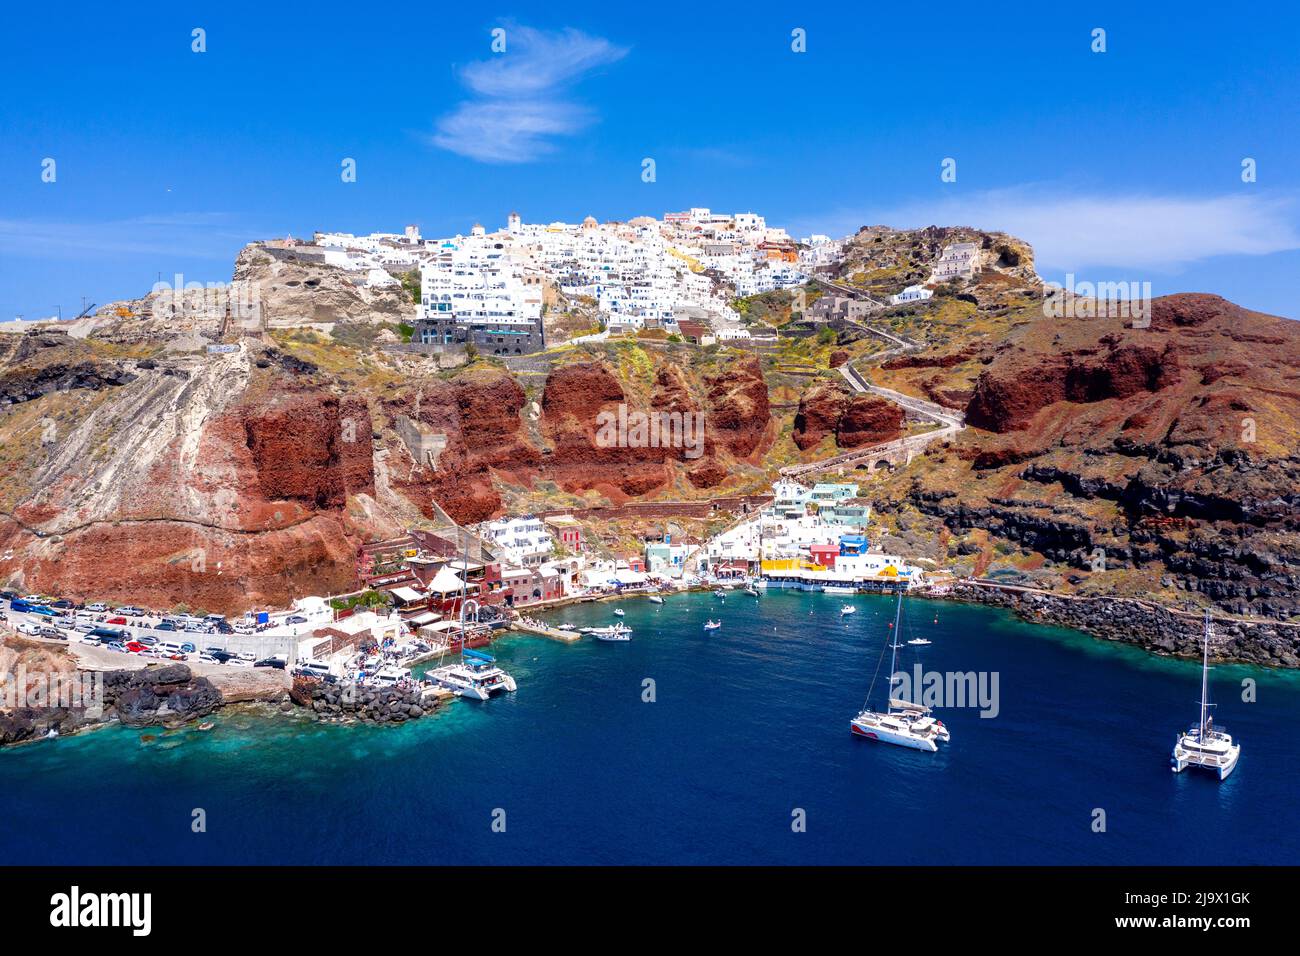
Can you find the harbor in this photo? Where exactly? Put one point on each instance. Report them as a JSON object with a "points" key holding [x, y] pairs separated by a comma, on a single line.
{"points": [[765, 701]]}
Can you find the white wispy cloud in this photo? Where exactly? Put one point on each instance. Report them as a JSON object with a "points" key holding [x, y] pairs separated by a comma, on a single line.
{"points": [[1074, 231], [200, 235], [523, 96]]}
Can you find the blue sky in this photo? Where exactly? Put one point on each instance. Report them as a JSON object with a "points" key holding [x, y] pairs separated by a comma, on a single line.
{"points": [[1123, 165]]}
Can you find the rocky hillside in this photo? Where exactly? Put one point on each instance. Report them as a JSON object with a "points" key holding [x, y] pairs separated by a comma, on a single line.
{"points": [[1108, 458], [883, 261], [137, 465]]}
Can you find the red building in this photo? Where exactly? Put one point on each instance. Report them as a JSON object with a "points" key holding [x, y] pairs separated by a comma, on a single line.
{"points": [[567, 531], [825, 554]]}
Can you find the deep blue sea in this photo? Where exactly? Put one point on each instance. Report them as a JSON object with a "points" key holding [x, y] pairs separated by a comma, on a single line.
{"points": [[749, 724]]}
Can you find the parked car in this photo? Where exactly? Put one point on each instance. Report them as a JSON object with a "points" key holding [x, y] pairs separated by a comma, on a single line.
{"points": [[187, 647], [135, 647], [239, 662], [116, 620], [165, 626], [26, 627], [220, 656], [117, 646], [48, 631], [270, 662], [97, 608], [62, 603], [312, 668], [83, 627], [148, 640], [295, 619]]}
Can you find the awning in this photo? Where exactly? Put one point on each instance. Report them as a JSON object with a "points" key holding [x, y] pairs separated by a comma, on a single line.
{"points": [[445, 581], [407, 595], [441, 626], [427, 617]]}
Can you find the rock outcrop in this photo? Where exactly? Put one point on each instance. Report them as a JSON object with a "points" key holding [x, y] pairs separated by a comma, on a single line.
{"points": [[853, 420]]}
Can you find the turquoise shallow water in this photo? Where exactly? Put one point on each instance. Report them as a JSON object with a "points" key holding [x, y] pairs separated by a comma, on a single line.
{"points": [[749, 723]]}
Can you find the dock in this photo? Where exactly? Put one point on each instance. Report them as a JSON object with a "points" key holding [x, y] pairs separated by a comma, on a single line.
{"points": [[541, 630]]}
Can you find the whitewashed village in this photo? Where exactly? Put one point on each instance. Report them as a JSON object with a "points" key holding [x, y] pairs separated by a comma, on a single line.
{"points": [[431, 594]]}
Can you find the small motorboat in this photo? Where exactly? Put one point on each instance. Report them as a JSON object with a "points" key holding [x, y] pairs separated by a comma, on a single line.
{"points": [[848, 609], [656, 599], [616, 633], [712, 625], [618, 612], [918, 642], [751, 591]]}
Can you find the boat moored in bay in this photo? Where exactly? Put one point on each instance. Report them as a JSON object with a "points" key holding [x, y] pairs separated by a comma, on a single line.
{"points": [[1204, 745]]}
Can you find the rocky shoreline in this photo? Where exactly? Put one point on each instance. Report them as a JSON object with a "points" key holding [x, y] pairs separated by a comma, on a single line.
{"points": [[165, 696], [170, 696], [1155, 628], [351, 702]]}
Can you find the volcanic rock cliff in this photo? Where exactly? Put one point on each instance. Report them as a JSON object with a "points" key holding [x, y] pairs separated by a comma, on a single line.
{"points": [[853, 420], [138, 468], [1147, 460], [1158, 460]]}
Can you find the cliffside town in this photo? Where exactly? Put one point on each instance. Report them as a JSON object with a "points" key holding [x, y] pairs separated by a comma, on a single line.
{"points": [[238, 447]]}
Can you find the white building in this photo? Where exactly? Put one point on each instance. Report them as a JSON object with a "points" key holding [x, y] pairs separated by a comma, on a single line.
{"points": [[524, 542], [913, 293], [958, 261]]}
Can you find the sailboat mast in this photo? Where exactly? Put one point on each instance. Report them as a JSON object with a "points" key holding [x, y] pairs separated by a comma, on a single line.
{"points": [[464, 585], [893, 654], [1205, 671]]}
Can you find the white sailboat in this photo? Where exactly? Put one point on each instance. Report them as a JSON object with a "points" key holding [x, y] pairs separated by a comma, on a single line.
{"points": [[1204, 745], [902, 722]]}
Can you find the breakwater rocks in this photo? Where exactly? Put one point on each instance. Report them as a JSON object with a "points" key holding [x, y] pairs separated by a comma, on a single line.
{"points": [[351, 701], [1153, 627], [165, 696]]}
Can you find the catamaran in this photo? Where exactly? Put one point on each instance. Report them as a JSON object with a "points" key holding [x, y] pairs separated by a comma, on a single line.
{"points": [[476, 676], [1204, 745], [901, 722]]}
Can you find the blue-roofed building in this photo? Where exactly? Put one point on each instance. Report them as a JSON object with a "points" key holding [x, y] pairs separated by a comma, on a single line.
{"points": [[852, 544]]}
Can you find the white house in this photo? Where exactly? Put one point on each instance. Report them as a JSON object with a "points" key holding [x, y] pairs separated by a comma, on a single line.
{"points": [[524, 542], [913, 293]]}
